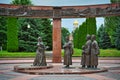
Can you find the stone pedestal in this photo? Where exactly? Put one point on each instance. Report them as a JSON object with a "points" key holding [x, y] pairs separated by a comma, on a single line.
{"points": [[56, 40]]}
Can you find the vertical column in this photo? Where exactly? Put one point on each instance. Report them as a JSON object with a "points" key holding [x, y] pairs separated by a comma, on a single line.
{"points": [[56, 40]]}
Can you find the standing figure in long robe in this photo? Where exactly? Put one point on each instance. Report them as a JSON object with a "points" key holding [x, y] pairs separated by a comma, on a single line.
{"points": [[94, 52], [88, 51], [68, 51], [83, 57], [40, 59]]}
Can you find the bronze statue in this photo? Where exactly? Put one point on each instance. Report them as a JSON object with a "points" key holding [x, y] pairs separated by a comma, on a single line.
{"points": [[83, 56], [87, 51], [94, 52], [40, 59], [68, 51]]}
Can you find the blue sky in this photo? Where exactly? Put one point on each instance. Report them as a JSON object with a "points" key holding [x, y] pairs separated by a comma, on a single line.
{"points": [[68, 23]]}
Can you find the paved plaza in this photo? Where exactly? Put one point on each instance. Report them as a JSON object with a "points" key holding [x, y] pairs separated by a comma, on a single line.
{"points": [[7, 73]]}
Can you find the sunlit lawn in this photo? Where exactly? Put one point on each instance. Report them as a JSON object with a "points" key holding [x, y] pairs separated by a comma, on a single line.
{"points": [[5, 54], [77, 52], [103, 53]]}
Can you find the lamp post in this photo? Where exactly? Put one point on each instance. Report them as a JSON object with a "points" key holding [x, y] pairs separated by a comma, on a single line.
{"points": [[28, 26]]}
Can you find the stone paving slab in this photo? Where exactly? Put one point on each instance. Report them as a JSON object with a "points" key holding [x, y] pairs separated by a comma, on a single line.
{"points": [[63, 77], [98, 77], [7, 73], [50, 61], [6, 77]]}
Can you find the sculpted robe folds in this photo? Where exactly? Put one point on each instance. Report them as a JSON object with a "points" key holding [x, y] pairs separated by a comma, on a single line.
{"points": [[87, 52], [83, 56], [40, 59], [94, 53], [68, 51]]}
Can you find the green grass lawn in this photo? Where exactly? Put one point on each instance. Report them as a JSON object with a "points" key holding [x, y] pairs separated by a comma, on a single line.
{"points": [[5, 54], [77, 52], [110, 53], [103, 53]]}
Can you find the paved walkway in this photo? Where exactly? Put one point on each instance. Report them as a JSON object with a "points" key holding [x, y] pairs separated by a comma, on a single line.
{"points": [[7, 73], [50, 61]]}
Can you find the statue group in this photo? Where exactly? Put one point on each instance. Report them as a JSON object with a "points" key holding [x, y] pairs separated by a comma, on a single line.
{"points": [[90, 52]]}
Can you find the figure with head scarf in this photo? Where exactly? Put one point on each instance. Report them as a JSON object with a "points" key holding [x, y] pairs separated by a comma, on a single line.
{"points": [[68, 51], [87, 51], [94, 52], [40, 59]]}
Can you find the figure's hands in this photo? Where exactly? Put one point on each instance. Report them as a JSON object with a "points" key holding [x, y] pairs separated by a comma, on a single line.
{"points": [[46, 47]]}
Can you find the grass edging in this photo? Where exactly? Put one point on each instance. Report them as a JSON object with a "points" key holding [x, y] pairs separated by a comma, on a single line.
{"points": [[77, 53]]}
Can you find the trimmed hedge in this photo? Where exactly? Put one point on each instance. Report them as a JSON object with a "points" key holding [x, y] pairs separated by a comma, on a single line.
{"points": [[12, 34], [79, 35]]}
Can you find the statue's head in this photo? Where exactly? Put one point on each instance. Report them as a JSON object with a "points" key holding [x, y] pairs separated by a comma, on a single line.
{"points": [[88, 37], [83, 47], [67, 38], [39, 39], [93, 37]]}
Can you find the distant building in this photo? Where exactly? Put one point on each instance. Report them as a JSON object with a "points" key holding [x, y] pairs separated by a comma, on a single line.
{"points": [[75, 24]]}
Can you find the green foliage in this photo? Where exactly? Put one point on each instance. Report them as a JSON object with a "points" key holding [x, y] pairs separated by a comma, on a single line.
{"points": [[77, 53], [38, 27], [22, 2], [105, 42], [91, 26], [5, 54], [109, 53], [65, 33], [12, 30], [79, 35], [117, 37], [28, 36], [75, 37], [47, 31], [12, 34], [3, 29], [115, 1], [82, 34], [111, 23], [103, 38]]}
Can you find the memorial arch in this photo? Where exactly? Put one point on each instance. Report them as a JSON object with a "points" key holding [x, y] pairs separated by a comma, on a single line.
{"points": [[58, 12]]}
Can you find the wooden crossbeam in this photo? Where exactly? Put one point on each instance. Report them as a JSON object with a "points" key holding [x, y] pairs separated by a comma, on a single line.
{"points": [[61, 11]]}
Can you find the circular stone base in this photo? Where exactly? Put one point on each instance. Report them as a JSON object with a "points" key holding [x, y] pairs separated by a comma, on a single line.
{"points": [[56, 69]]}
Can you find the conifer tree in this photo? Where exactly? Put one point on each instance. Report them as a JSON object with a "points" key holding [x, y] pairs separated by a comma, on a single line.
{"points": [[12, 34], [117, 37], [91, 26], [111, 23], [88, 27], [3, 35], [12, 42], [75, 38], [103, 38], [82, 34]]}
